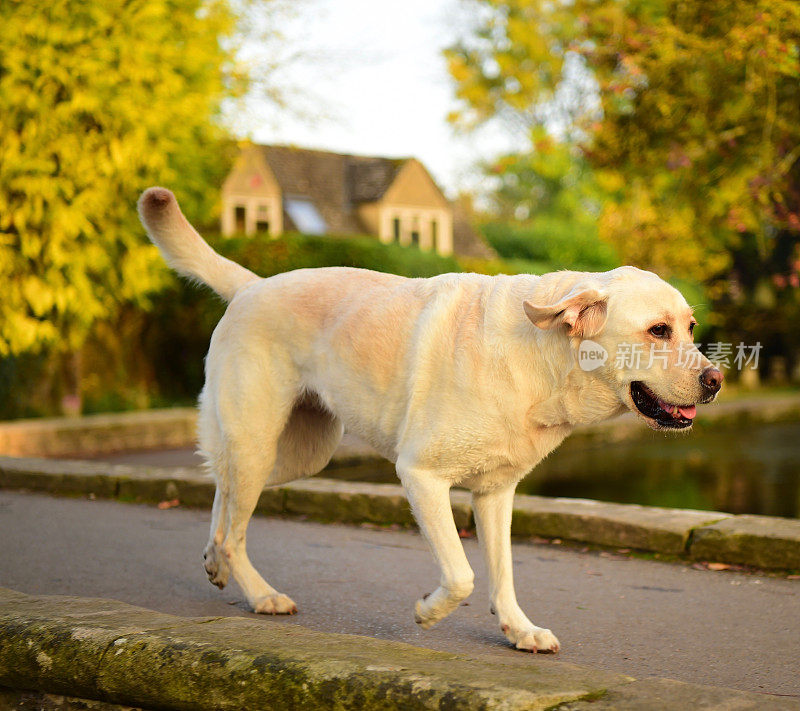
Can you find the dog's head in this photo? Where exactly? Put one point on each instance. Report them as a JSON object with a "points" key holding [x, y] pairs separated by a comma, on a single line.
{"points": [[632, 331]]}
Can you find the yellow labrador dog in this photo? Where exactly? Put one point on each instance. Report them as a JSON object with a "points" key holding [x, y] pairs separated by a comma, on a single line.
{"points": [[461, 379]]}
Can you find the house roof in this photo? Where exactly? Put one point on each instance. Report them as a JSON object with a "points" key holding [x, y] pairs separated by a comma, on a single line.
{"points": [[370, 178], [335, 182]]}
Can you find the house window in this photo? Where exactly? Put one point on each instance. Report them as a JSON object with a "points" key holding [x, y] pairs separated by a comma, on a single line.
{"points": [[262, 218], [396, 229], [305, 216], [434, 235], [415, 230], [239, 218]]}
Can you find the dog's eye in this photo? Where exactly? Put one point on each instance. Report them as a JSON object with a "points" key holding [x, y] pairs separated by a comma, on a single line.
{"points": [[660, 330], [691, 328]]}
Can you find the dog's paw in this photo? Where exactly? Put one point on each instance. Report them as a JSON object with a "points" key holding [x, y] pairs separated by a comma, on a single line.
{"points": [[217, 569], [532, 639], [436, 606], [424, 614], [276, 604]]}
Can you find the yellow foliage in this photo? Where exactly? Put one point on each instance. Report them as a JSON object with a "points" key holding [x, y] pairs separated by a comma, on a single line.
{"points": [[97, 101]]}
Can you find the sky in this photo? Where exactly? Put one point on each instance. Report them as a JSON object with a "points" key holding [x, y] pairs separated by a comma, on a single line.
{"points": [[369, 78]]}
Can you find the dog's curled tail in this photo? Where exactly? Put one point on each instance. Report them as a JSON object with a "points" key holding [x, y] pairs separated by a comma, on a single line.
{"points": [[185, 250]]}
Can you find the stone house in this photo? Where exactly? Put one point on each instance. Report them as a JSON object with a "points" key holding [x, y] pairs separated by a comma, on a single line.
{"points": [[280, 189]]}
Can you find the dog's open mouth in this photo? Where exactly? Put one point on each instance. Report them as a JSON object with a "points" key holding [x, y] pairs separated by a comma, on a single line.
{"points": [[663, 414]]}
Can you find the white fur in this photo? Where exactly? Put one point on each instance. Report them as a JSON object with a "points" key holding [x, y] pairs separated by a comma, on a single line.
{"points": [[461, 379]]}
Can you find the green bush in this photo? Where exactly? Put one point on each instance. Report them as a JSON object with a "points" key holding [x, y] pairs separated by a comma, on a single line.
{"points": [[267, 256], [553, 243]]}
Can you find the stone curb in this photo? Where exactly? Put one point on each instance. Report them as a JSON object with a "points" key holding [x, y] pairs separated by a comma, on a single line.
{"points": [[113, 653], [646, 528], [99, 434], [760, 541]]}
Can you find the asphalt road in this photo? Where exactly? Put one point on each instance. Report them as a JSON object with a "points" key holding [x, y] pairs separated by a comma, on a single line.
{"points": [[643, 618]]}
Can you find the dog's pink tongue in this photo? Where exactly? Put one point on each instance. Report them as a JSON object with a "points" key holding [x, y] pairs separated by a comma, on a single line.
{"points": [[687, 412], [666, 407]]}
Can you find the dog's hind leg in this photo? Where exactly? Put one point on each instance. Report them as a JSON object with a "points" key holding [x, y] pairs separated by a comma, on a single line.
{"points": [[266, 438], [215, 564], [251, 408], [210, 439]]}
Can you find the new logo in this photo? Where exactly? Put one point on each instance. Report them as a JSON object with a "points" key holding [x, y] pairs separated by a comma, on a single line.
{"points": [[591, 355]]}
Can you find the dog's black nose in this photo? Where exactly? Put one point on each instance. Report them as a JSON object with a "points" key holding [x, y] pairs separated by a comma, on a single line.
{"points": [[711, 379]]}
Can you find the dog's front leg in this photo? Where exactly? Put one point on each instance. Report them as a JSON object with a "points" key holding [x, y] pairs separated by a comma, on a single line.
{"points": [[493, 518], [429, 496]]}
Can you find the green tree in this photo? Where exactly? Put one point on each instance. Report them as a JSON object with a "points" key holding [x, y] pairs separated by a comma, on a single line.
{"points": [[698, 122], [545, 206], [689, 113], [97, 101]]}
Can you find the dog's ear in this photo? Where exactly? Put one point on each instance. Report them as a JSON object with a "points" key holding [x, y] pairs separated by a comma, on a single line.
{"points": [[583, 311]]}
